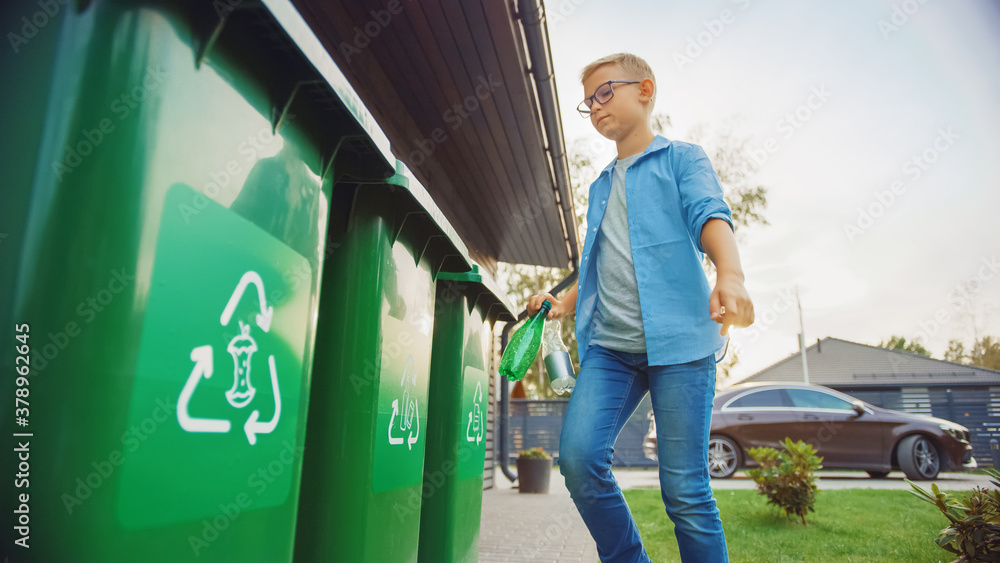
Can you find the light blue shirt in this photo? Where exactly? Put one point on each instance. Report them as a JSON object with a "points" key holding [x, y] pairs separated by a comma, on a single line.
{"points": [[672, 192]]}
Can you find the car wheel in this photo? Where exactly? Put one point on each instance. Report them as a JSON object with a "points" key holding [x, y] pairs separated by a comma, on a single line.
{"points": [[878, 474], [918, 458], [723, 457]]}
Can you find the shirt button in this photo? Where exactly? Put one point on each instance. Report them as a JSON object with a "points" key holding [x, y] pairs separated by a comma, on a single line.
{"points": [[604, 202], [595, 229]]}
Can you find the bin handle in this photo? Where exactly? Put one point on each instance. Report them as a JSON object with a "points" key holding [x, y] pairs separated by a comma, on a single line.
{"points": [[399, 229], [423, 251], [336, 150], [210, 42], [288, 104]]}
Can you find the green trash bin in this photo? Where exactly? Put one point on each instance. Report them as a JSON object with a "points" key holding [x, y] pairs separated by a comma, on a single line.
{"points": [[468, 304], [368, 422], [171, 213]]}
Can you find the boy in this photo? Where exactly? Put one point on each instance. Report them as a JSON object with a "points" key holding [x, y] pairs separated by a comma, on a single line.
{"points": [[651, 214]]}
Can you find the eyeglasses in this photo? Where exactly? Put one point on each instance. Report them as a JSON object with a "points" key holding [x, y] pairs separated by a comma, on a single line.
{"points": [[603, 95]]}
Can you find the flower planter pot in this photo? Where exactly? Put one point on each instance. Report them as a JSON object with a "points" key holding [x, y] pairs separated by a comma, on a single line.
{"points": [[533, 475]]}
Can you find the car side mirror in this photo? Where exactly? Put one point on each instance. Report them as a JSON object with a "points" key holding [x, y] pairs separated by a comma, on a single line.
{"points": [[859, 407]]}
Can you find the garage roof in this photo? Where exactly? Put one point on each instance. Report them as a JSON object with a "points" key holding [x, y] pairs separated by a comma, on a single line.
{"points": [[450, 84]]}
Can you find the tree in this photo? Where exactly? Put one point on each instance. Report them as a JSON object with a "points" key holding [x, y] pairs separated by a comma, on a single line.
{"points": [[986, 353], [731, 157], [900, 343], [724, 370], [955, 352], [730, 154]]}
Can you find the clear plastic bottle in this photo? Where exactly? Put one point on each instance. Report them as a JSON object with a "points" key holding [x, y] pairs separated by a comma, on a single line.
{"points": [[558, 364]]}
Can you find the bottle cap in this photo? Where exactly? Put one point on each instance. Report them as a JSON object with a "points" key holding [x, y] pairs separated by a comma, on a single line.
{"points": [[546, 305]]}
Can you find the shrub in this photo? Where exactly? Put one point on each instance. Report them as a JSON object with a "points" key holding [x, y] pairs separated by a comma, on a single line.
{"points": [[974, 533], [533, 453], [787, 477]]}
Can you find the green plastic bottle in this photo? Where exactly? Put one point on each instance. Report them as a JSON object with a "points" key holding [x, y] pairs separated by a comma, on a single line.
{"points": [[523, 346]]}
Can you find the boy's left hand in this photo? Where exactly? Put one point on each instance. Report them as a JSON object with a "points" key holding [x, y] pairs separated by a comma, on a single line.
{"points": [[730, 303]]}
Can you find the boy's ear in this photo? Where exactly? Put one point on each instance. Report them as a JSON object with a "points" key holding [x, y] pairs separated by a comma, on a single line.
{"points": [[646, 90]]}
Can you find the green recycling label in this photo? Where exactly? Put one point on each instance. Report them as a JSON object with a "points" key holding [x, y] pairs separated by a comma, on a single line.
{"points": [[401, 423], [223, 342], [472, 443]]}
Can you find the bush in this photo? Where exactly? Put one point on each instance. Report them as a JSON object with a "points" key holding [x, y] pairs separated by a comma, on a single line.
{"points": [[787, 477], [974, 533], [533, 453]]}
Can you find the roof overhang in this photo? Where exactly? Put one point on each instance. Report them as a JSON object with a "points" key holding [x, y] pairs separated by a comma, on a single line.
{"points": [[451, 86]]}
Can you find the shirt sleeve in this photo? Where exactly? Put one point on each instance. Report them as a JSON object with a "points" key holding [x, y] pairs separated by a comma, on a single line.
{"points": [[701, 193]]}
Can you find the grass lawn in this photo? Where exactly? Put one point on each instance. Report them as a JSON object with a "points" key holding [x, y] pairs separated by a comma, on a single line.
{"points": [[850, 525]]}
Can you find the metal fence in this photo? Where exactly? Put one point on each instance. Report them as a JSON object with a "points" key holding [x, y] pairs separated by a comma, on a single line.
{"points": [[538, 424]]}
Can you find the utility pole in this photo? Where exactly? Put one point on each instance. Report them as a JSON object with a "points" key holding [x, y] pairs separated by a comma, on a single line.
{"points": [[802, 339]]}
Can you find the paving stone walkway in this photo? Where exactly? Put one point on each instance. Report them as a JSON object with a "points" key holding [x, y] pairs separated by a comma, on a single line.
{"points": [[533, 527]]}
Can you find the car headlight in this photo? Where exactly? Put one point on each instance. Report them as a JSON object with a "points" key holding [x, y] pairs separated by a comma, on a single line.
{"points": [[952, 431]]}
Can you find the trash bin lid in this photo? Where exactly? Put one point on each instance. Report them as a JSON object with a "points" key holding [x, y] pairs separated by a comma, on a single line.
{"points": [[484, 292], [307, 42]]}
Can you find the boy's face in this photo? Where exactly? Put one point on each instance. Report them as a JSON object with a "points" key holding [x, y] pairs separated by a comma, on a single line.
{"points": [[620, 115]]}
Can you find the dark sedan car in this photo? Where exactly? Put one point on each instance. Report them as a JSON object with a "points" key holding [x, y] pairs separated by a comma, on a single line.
{"points": [[846, 432]]}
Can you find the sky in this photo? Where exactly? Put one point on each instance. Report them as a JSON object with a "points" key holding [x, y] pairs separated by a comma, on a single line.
{"points": [[876, 129]]}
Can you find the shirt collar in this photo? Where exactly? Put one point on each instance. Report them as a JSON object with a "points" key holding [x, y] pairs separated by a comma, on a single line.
{"points": [[659, 142]]}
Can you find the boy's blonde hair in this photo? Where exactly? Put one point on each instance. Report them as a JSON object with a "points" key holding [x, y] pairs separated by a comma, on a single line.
{"points": [[635, 68]]}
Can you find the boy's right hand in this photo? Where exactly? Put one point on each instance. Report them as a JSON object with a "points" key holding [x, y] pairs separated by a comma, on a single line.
{"points": [[557, 311]]}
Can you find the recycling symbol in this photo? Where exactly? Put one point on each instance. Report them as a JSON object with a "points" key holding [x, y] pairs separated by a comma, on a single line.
{"points": [[476, 427], [242, 349], [407, 410]]}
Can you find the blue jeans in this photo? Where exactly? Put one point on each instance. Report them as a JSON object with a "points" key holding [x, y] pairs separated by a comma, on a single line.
{"points": [[608, 389]]}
